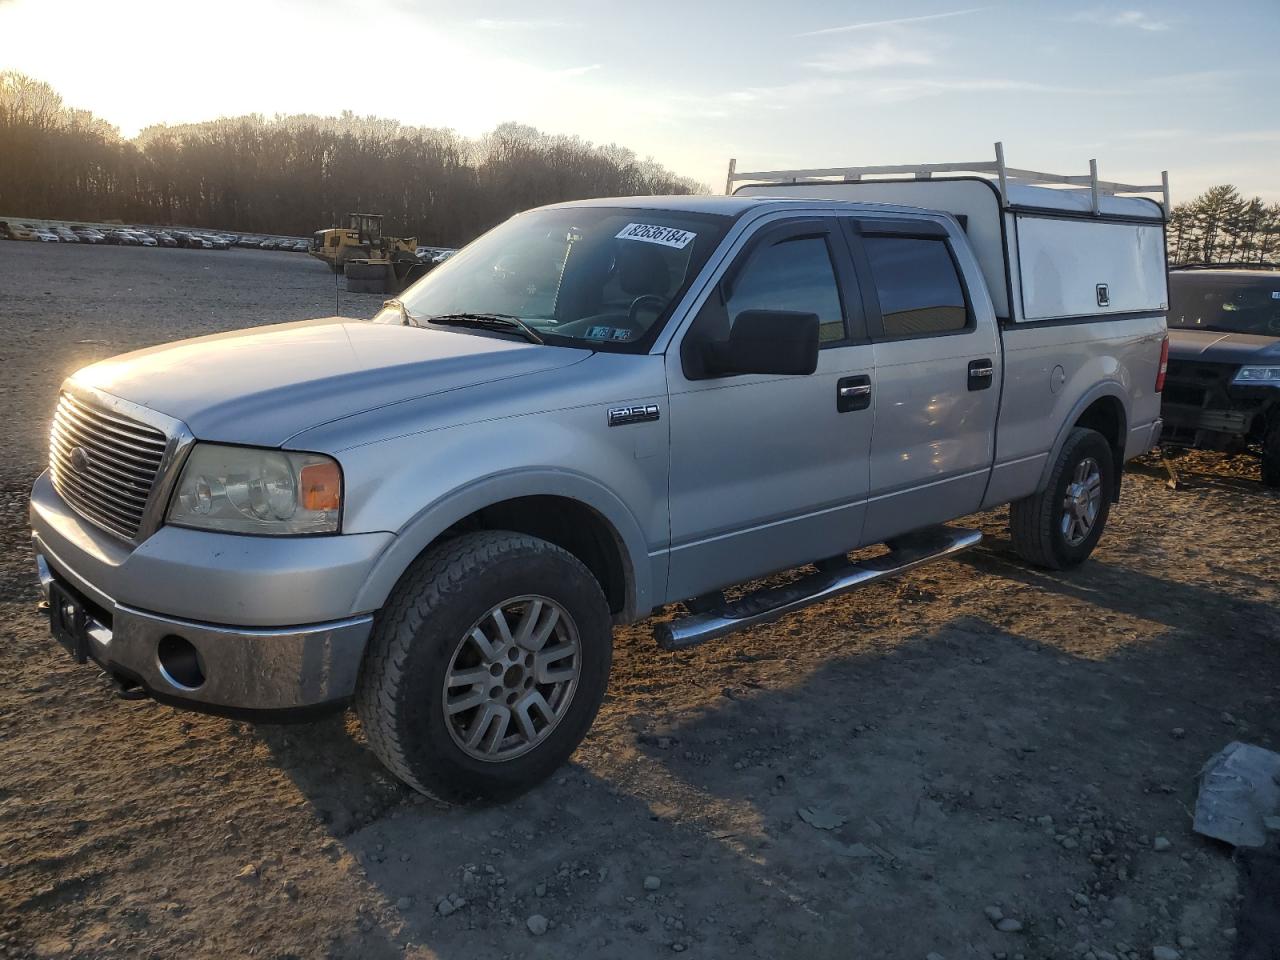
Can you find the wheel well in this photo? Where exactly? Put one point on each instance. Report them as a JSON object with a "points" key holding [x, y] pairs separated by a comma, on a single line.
{"points": [[1106, 415], [568, 524]]}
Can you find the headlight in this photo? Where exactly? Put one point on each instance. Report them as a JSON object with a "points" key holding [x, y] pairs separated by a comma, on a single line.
{"points": [[250, 490], [1263, 375]]}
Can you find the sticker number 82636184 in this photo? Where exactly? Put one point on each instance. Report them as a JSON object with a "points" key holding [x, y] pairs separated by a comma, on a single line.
{"points": [[653, 233]]}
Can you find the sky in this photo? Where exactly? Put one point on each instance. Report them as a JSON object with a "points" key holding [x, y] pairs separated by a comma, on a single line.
{"points": [[1189, 87]]}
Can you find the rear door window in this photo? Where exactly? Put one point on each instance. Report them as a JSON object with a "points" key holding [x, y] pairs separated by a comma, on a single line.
{"points": [[918, 285]]}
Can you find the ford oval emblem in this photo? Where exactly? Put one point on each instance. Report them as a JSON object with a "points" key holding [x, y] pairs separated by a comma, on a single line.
{"points": [[79, 459]]}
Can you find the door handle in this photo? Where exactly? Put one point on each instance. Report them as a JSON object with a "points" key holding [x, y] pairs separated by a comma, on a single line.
{"points": [[981, 373], [853, 393]]}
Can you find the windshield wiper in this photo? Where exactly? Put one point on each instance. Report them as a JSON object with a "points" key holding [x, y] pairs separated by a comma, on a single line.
{"points": [[488, 321]]}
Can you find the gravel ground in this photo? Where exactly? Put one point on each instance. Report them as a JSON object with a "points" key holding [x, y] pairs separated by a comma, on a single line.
{"points": [[979, 760]]}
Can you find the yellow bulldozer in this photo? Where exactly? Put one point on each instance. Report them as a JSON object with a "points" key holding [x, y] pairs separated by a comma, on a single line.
{"points": [[361, 239], [371, 262]]}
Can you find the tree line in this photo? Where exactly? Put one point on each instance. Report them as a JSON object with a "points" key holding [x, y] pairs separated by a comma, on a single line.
{"points": [[296, 174], [1220, 226]]}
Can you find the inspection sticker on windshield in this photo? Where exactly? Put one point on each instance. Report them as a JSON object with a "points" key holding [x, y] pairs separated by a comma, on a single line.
{"points": [[652, 233], [608, 333]]}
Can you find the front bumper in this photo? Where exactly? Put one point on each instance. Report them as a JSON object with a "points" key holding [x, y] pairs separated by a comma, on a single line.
{"points": [[237, 600], [243, 671], [1185, 419]]}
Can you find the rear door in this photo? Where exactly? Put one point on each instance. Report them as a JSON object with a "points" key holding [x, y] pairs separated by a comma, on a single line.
{"points": [[937, 386], [768, 472]]}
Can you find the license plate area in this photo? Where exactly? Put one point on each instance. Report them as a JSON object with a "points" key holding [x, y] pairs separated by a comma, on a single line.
{"points": [[69, 622]]}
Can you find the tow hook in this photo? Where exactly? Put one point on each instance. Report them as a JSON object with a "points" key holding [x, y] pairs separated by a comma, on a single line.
{"points": [[128, 689]]}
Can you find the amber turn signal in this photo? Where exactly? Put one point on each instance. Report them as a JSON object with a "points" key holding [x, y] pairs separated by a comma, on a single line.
{"points": [[321, 485]]}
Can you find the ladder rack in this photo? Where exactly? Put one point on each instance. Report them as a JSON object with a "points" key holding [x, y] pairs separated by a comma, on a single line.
{"points": [[995, 168]]}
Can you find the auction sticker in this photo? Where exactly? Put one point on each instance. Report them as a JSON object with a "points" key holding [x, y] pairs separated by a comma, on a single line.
{"points": [[652, 233]]}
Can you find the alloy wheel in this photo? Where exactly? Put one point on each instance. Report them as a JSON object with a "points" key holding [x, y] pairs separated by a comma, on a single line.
{"points": [[511, 678]]}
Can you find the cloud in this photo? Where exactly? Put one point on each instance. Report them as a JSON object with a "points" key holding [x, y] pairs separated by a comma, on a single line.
{"points": [[904, 90], [879, 55], [1136, 19], [1248, 136], [882, 90], [509, 24], [783, 95], [897, 21], [1163, 133], [576, 71]]}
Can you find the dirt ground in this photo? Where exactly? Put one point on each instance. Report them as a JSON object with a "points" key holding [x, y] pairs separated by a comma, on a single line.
{"points": [[883, 776]]}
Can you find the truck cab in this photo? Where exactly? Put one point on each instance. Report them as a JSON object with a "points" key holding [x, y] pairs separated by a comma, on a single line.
{"points": [[597, 410]]}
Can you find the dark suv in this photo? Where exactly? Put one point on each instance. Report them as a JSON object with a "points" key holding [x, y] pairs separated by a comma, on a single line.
{"points": [[1222, 391]]}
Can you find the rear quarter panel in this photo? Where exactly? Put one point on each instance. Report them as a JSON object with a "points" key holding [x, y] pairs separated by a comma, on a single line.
{"points": [[1052, 372]]}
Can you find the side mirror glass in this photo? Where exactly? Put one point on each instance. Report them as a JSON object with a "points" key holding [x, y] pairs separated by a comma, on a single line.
{"points": [[766, 341]]}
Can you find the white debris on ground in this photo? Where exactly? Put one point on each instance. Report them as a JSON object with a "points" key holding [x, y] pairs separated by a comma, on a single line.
{"points": [[1239, 790]]}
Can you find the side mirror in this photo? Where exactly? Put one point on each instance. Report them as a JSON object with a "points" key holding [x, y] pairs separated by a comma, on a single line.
{"points": [[766, 341]]}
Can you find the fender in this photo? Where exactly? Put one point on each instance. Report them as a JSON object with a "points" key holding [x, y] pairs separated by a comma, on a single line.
{"points": [[436, 517], [1107, 388]]}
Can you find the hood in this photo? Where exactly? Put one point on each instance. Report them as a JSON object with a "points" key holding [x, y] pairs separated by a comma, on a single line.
{"points": [[1213, 346], [264, 385]]}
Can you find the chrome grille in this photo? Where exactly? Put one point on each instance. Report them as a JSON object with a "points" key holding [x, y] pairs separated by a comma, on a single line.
{"points": [[104, 463]]}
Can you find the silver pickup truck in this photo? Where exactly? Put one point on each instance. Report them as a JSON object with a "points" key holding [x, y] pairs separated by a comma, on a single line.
{"points": [[592, 411]]}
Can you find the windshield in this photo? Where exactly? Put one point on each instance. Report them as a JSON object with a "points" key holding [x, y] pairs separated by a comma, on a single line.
{"points": [[1226, 303], [598, 277]]}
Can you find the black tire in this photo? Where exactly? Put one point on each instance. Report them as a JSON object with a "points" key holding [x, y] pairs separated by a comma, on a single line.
{"points": [[1036, 522], [1271, 453], [447, 591]]}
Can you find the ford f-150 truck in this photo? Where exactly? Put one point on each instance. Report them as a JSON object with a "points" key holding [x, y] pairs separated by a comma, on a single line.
{"points": [[592, 411]]}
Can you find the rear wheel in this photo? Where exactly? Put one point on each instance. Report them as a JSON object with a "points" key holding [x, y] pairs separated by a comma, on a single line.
{"points": [[487, 666], [1059, 527]]}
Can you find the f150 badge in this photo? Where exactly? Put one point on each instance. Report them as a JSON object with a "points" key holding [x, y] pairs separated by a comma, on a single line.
{"points": [[618, 416]]}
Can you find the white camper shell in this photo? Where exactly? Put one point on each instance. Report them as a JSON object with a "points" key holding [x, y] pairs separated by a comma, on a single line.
{"points": [[1051, 247]]}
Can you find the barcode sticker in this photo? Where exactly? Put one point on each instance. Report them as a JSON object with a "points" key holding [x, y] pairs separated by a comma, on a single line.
{"points": [[652, 233]]}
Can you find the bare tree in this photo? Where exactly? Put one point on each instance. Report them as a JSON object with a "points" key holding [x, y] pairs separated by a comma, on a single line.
{"points": [[294, 174]]}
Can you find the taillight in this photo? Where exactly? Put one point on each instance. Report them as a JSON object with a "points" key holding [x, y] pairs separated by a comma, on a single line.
{"points": [[1164, 364]]}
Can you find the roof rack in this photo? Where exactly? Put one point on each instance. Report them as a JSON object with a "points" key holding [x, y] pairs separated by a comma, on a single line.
{"points": [[925, 171]]}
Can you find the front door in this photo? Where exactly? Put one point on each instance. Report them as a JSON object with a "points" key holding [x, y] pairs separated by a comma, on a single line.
{"points": [[769, 472]]}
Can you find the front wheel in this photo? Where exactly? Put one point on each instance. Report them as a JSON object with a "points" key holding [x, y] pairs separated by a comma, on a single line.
{"points": [[1059, 527], [487, 666]]}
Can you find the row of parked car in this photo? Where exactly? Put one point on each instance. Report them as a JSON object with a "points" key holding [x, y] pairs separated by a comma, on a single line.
{"points": [[434, 254], [135, 237]]}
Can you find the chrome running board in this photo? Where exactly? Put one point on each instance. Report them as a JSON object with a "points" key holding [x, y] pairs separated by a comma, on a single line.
{"points": [[769, 604]]}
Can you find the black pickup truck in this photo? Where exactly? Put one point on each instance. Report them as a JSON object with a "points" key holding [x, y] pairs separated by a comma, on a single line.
{"points": [[1222, 391]]}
